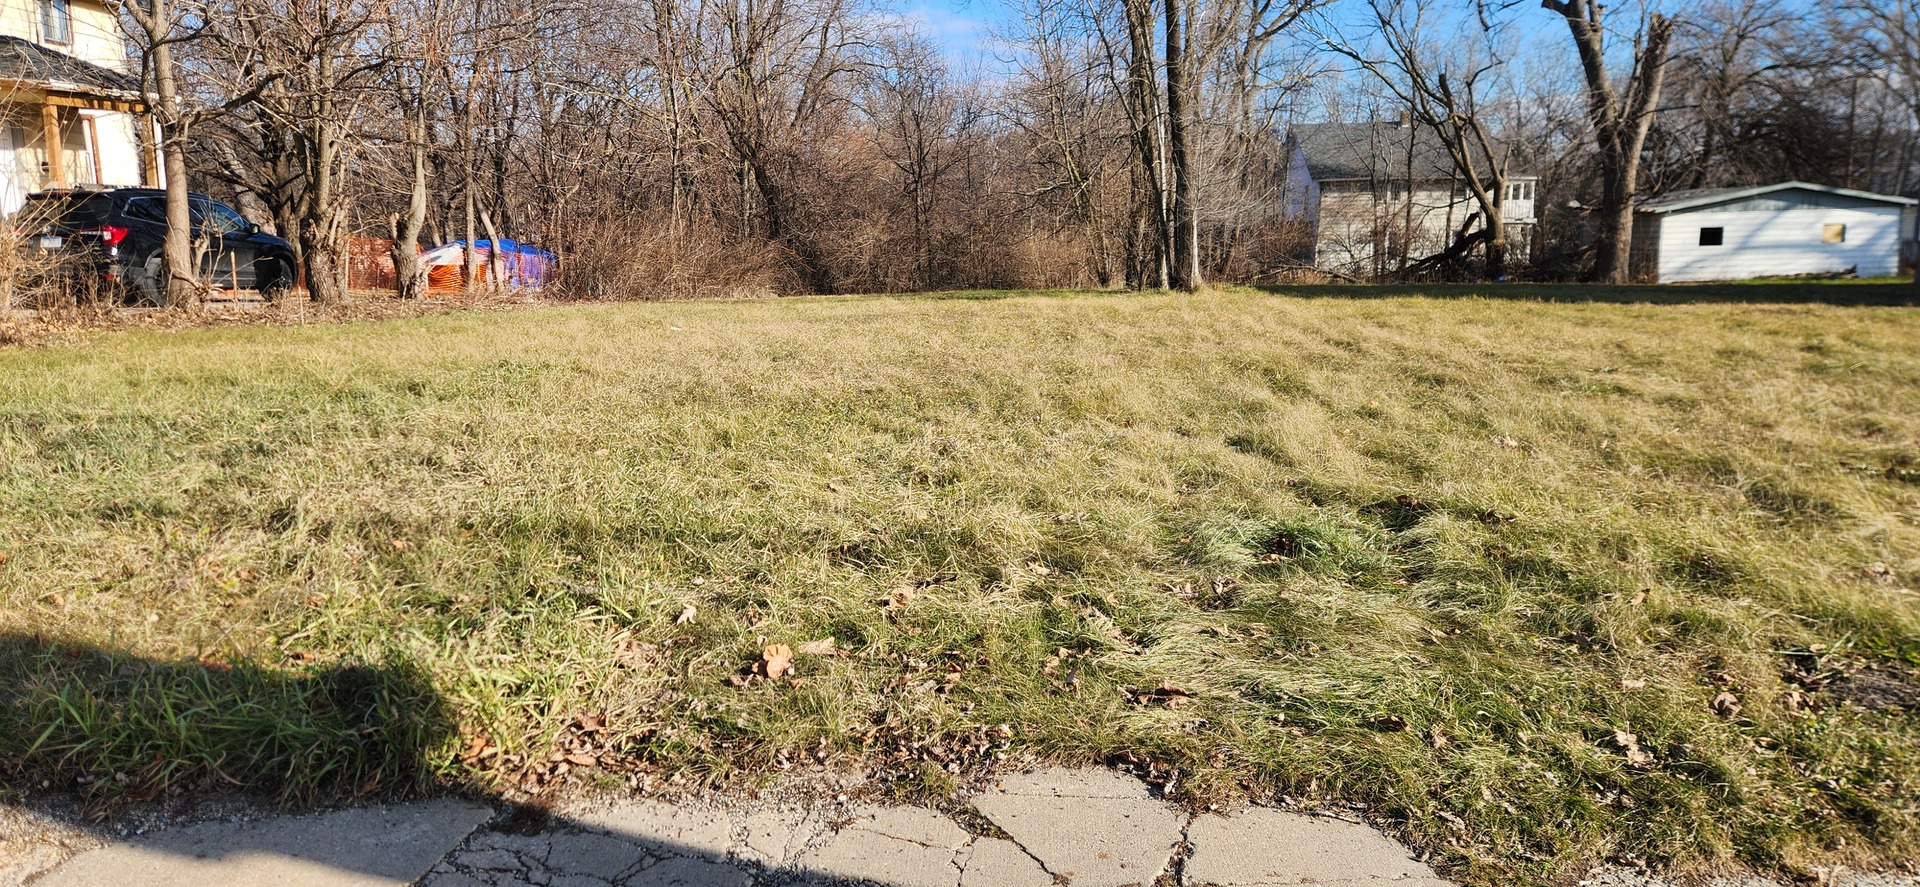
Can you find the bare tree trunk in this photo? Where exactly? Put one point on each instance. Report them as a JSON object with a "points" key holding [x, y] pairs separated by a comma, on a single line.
{"points": [[182, 272], [323, 226], [1620, 124], [1150, 193], [409, 275], [1184, 260], [469, 258], [496, 256]]}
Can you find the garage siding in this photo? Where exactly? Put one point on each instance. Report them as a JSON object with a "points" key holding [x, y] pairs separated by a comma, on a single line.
{"points": [[1778, 243]]}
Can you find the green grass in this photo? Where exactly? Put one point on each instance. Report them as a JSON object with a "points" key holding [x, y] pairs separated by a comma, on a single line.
{"points": [[1432, 555]]}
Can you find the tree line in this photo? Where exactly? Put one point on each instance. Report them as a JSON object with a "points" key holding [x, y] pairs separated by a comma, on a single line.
{"points": [[679, 148]]}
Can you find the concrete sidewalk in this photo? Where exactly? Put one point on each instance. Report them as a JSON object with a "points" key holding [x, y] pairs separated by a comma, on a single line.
{"points": [[1085, 828], [1088, 828]]}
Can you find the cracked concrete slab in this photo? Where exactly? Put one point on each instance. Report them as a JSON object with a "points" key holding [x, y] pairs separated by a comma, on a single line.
{"points": [[1085, 828], [1096, 828], [775, 835], [896, 846], [367, 847], [692, 832], [865, 857], [686, 872], [1258, 847], [595, 855], [998, 862]]}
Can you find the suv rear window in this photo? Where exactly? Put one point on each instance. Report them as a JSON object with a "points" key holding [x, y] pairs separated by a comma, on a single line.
{"points": [[76, 210], [147, 209]]}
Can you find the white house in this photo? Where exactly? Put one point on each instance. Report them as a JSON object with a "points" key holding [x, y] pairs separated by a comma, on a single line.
{"points": [[1381, 195], [1788, 229], [71, 109]]}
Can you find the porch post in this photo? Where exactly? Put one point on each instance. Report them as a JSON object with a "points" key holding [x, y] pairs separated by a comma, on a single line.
{"points": [[150, 151], [56, 164]]}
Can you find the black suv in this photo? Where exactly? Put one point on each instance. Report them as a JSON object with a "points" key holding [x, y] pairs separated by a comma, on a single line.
{"points": [[113, 237]]}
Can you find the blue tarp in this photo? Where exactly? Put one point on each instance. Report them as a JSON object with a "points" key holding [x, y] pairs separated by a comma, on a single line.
{"points": [[525, 264]]}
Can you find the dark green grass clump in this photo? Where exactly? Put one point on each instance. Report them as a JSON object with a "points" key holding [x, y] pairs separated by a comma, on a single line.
{"points": [[120, 727]]}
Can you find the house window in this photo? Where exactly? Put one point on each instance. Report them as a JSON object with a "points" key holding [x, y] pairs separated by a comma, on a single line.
{"points": [[1713, 236], [56, 22], [1833, 234]]}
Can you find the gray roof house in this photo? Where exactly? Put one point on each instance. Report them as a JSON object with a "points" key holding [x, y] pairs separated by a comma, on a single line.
{"points": [[1383, 194]]}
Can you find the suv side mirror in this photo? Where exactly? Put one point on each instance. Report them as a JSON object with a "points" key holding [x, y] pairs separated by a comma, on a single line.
{"points": [[252, 229]]}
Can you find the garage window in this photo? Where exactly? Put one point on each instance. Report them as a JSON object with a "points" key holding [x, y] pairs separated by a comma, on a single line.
{"points": [[1833, 234], [1713, 236]]}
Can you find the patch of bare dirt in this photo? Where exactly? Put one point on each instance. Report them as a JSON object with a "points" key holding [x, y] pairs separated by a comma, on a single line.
{"points": [[1879, 689]]}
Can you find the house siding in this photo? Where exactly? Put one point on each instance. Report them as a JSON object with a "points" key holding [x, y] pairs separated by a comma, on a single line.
{"points": [[96, 37], [1778, 243], [113, 154], [1360, 225]]}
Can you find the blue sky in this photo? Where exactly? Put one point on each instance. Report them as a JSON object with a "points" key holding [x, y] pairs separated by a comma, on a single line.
{"points": [[961, 26]]}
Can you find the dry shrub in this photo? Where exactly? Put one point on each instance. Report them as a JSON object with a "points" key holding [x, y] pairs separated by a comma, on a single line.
{"points": [[648, 262], [40, 281]]}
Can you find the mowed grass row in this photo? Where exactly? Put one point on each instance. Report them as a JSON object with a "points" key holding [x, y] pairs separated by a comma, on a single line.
{"points": [[1543, 583]]}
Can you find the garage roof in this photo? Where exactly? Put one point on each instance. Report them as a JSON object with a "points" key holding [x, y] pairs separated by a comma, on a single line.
{"points": [[1685, 200]]}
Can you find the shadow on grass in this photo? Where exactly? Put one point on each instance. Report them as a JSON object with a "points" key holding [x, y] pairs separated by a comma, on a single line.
{"points": [[114, 729], [1784, 292], [119, 727]]}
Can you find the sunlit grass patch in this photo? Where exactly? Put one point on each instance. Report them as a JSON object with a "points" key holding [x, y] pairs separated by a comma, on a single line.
{"points": [[1543, 583]]}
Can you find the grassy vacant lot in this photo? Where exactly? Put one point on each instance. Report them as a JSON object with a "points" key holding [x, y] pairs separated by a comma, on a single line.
{"points": [[1543, 582]]}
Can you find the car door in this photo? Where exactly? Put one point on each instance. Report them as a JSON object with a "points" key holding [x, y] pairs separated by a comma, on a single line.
{"points": [[231, 254]]}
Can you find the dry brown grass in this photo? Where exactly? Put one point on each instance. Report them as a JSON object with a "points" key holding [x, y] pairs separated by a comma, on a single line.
{"points": [[1489, 567]]}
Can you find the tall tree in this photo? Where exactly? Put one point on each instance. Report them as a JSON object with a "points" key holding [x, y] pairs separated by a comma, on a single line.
{"points": [[157, 28], [314, 62], [1620, 119], [1892, 31]]}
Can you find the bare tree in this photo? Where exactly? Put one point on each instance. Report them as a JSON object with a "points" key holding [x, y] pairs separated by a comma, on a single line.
{"points": [[1620, 119], [311, 74], [1892, 31], [156, 28], [1442, 82]]}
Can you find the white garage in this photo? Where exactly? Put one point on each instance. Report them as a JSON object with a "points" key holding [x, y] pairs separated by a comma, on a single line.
{"points": [[1783, 230]]}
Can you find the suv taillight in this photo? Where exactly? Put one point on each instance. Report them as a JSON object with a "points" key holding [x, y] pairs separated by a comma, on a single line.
{"points": [[110, 235]]}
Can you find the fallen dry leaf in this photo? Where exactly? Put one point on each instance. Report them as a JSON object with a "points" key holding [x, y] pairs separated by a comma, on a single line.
{"points": [[399, 544], [1726, 705], [1507, 443], [1878, 572], [687, 615], [1632, 684], [1630, 744], [1167, 695], [1640, 597], [477, 749], [821, 647], [635, 654], [900, 597], [1039, 569], [776, 660]]}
